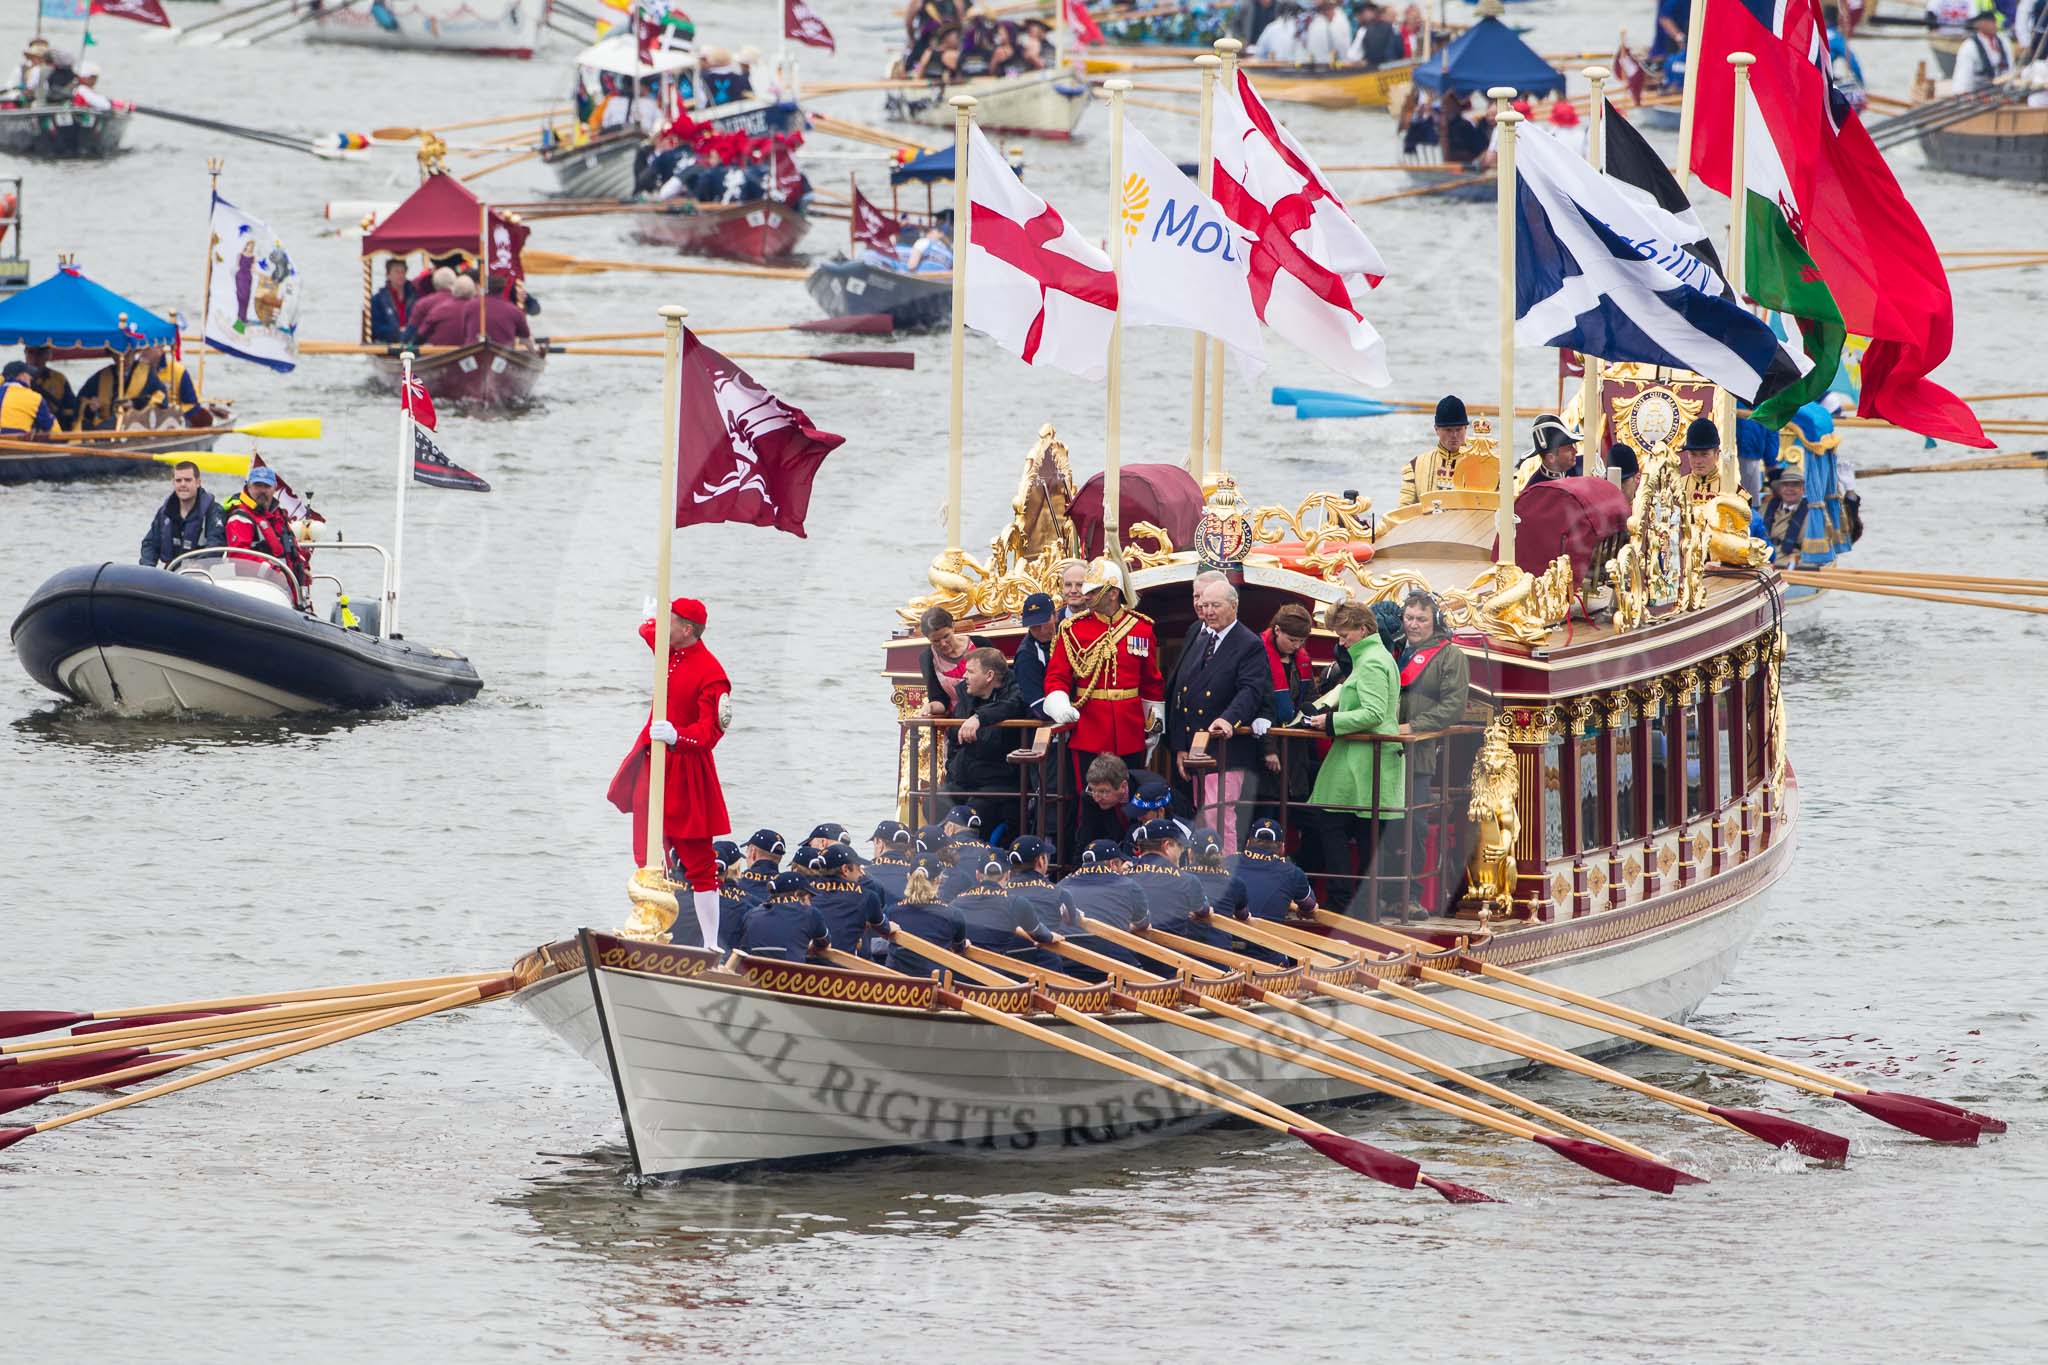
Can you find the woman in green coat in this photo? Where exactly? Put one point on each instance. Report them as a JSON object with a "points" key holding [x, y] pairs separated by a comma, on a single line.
{"points": [[1368, 703]]}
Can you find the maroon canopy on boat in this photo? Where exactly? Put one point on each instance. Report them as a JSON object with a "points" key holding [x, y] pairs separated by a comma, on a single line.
{"points": [[442, 216], [1566, 517], [1164, 494]]}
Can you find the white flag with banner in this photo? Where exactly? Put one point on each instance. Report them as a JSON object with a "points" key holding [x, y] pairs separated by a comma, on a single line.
{"points": [[1184, 262], [252, 308]]}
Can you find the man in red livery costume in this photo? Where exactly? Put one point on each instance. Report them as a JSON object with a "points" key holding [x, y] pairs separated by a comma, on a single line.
{"points": [[1104, 679], [693, 806]]}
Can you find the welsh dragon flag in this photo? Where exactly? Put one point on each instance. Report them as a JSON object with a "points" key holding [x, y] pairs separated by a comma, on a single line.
{"points": [[1832, 240]]}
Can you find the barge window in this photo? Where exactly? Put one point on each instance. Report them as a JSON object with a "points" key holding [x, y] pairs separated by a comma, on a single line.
{"points": [[1591, 835], [1626, 797], [1694, 745], [1553, 800], [1753, 731], [1726, 709], [1660, 771]]}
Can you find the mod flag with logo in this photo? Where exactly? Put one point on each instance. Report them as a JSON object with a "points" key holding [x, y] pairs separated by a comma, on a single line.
{"points": [[742, 454], [1184, 262], [1034, 285]]}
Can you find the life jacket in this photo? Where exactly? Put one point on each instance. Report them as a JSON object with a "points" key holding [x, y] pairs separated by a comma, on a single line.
{"points": [[20, 408], [171, 374], [108, 390], [273, 532], [1418, 661]]}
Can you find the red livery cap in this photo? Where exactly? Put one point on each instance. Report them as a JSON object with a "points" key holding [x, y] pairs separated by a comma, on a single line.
{"points": [[689, 608]]}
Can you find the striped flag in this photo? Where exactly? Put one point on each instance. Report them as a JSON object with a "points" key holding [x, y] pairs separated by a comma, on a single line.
{"points": [[431, 465]]}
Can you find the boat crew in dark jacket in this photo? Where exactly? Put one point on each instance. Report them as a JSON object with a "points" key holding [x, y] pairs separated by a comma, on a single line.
{"points": [[785, 925], [963, 852], [24, 410], [994, 917], [190, 519], [391, 306], [1097, 889], [1221, 681], [1174, 901], [921, 913], [890, 866], [53, 385], [763, 853], [1029, 883], [1275, 888], [980, 762], [850, 905], [1027, 666]]}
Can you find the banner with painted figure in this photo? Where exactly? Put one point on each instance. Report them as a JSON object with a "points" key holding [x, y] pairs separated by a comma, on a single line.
{"points": [[252, 311]]}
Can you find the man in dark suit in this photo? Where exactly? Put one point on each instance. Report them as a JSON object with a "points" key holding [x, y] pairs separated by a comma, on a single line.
{"points": [[1220, 681], [1034, 651]]}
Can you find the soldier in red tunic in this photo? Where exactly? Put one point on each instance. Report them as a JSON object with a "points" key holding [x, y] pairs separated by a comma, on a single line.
{"points": [[693, 806], [1103, 678]]}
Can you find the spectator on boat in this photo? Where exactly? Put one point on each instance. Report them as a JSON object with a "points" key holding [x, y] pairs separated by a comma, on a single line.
{"points": [[429, 303], [1034, 651], [1360, 787], [1376, 42], [190, 519], [944, 660], [28, 77], [1034, 46], [1221, 681], [1782, 521], [390, 305], [921, 912], [255, 521], [1553, 454], [981, 746], [786, 925], [1699, 460], [1668, 31], [24, 411], [941, 62], [1293, 683], [997, 922], [1098, 890], [893, 847], [1175, 901], [1117, 800], [724, 79], [1275, 887], [1448, 465], [1468, 137], [1281, 40], [1073, 588], [454, 323], [763, 852], [86, 93], [1436, 682], [847, 901], [1983, 58], [933, 250], [1326, 40], [1622, 459], [53, 385], [1251, 19]]}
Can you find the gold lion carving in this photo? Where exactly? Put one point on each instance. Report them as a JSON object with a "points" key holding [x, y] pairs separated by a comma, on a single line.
{"points": [[1496, 789]]}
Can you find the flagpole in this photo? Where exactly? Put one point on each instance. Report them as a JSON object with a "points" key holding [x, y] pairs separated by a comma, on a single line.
{"points": [[1112, 454], [214, 166], [1689, 97], [963, 213], [1208, 62], [405, 461], [1592, 416], [672, 316], [1504, 196], [1738, 245], [1227, 49], [483, 266]]}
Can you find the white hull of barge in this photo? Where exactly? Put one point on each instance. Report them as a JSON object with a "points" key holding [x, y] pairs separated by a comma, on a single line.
{"points": [[1044, 104], [712, 1076]]}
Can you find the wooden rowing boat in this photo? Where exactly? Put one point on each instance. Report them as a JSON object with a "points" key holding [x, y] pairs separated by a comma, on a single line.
{"points": [[83, 461], [62, 132], [1043, 104], [761, 231], [604, 167], [2006, 143], [476, 28], [480, 375]]}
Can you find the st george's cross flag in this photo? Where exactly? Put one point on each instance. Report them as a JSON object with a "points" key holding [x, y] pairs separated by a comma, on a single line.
{"points": [[1832, 240], [1307, 257], [1034, 285], [801, 23], [1184, 263], [141, 11], [1590, 274], [742, 454], [1082, 24]]}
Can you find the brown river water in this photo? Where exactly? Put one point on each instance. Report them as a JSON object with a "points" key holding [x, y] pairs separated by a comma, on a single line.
{"points": [[457, 1189]]}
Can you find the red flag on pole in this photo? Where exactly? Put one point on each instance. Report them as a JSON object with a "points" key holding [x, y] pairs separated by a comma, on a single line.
{"points": [[1078, 19], [1630, 73], [742, 454], [508, 242], [649, 25], [801, 23], [413, 398], [872, 227], [141, 11]]}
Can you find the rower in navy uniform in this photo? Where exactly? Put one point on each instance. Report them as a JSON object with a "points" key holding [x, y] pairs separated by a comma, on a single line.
{"points": [[1029, 883], [890, 866], [850, 905], [732, 900], [1175, 901], [1275, 887], [763, 853], [1227, 893], [785, 925], [920, 912], [826, 835], [994, 917], [1097, 889], [963, 837]]}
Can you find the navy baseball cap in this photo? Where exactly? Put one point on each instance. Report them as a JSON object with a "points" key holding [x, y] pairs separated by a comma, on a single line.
{"points": [[786, 882], [934, 868], [1156, 831], [1205, 840], [995, 864], [766, 838], [837, 856], [932, 838], [1102, 851], [894, 831], [1156, 796], [835, 832], [1029, 849], [1266, 831], [963, 815], [811, 859], [1038, 609], [726, 850]]}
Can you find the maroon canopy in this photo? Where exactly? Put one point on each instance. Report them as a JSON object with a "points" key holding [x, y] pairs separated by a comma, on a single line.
{"points": [[1164, 494], [442, 216], [1566, 517]]}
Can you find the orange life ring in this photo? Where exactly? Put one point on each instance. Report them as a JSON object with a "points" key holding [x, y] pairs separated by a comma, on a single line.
{"points": [[1292, 553]]}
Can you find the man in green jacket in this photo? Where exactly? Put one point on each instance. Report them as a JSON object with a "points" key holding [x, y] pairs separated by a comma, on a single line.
{"points": [[1361, 783]]}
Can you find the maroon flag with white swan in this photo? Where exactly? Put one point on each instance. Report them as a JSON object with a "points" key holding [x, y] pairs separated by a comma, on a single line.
{"points": [[742, 454], [801, 22], [141, 11], [872, 227]]}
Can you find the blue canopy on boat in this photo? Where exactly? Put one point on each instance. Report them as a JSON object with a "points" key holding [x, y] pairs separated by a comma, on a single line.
{"points": [[933, 165], [68, 312], [1486, 55]]}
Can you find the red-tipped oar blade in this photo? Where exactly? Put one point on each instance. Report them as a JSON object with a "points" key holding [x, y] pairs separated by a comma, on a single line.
{"points": [[14, 1023], [1917, 1119], [10, 1136], [880, 360], [21, 1096], [1459, 1194], [1983, 1121], [867, 324], [57, 1070], [1780, 1131], [1618, 1165], [142, 1020], [1363, 1157]]}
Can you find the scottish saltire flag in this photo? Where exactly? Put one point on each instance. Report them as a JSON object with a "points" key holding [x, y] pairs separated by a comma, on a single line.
{"points": [[252, 308], [1593, 273]]}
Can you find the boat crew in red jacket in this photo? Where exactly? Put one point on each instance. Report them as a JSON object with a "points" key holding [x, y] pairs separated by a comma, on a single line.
{"points": [[256, 522], [1104, 679], [693, 805]]}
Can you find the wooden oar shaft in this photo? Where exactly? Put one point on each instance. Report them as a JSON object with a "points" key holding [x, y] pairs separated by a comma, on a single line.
{"points": [[271, 1014], [1959, 583], [988, 957], [179, 1061], [1159, 1056], [932, 952], [291, 997], [512, 160], [1420, 191], [1263, 935], [1819, 580], [2033, 459], [557, 263], [1150, 947], [197, 1032], [1108, 966], [1982, 581]]}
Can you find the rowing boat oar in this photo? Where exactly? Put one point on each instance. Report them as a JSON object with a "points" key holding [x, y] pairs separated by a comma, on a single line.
{"points": [[559, 263], [2030, 459], [245, 1018], [14, 1023], [212, 461], [879, 360], [1935, 1120], [1774, 1129], [287, 142], [1224, 1095], [21, 1096], [186, 30], [274, 429], [468, 995], [860, 324], [1808, 579]]}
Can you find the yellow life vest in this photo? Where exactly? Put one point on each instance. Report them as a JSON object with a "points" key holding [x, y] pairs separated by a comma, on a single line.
{"points": [[19, 405]]}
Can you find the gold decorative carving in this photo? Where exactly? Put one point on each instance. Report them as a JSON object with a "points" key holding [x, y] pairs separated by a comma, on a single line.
{"points": [[1620, 706], [1584, 714], [1721, 672], [654, 906], [1024, 556], [1689, 683], [1654, 418], [432, 154], [1560, 887], [1496, 790], [1699, 848], [1633, 867], [1667, 858], [1529, 724], [1326, 549], [1521, 607], [1162, 552], [1596, 880]]}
